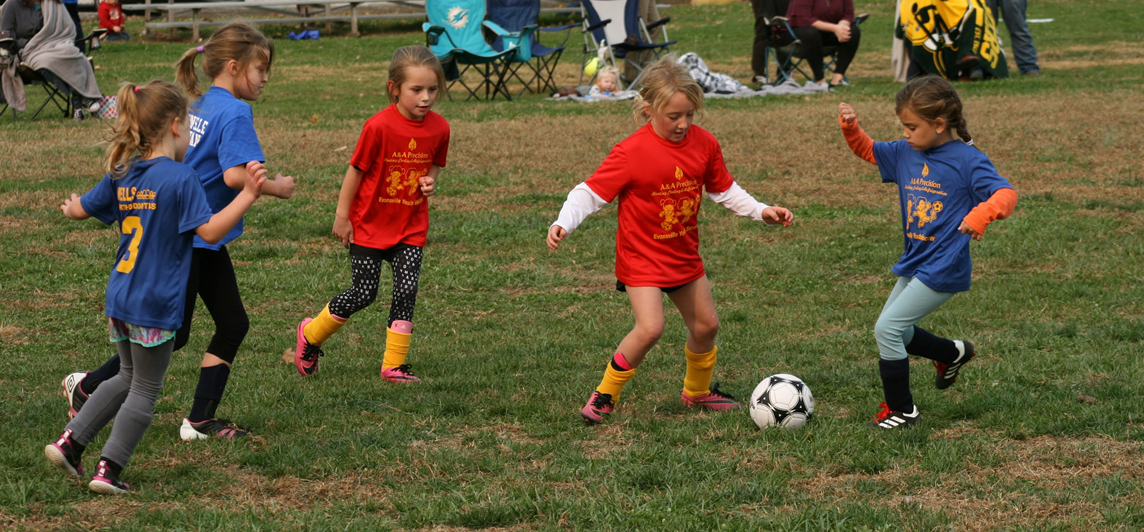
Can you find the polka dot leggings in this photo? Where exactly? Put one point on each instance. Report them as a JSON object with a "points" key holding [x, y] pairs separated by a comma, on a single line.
{"points": [[366, 265]]}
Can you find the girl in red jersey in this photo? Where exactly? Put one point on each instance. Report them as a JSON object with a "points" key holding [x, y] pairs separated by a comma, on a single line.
{"points": [[383, 213], [659, 173]]}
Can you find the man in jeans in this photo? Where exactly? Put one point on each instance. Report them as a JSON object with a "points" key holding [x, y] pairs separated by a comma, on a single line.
{"points": [[1014, 13]]}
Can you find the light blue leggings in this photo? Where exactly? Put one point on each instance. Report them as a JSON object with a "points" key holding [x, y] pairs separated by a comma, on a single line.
{"points": [[909, 302]]}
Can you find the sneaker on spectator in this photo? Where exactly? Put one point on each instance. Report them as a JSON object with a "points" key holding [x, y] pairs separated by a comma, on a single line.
{"points": [[106, 481]]}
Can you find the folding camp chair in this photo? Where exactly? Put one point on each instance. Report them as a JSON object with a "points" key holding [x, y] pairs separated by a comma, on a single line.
{"points": [[613, 30], [28, 77], [787, 50], [454, 34], [519, 17]]}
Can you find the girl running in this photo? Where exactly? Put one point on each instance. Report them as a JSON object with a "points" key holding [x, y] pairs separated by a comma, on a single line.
{"points": [[949, 192], [161, 209], [222, 141], [658, 173], [383, 212]]}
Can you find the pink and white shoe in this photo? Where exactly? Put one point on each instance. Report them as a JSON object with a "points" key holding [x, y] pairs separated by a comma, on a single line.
{"points": [[713, 400], [598, 407], [401, 373], [306, 354], [65, 456], [106, 481]]}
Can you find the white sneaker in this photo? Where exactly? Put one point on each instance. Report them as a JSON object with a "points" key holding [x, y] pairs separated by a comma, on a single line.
{"points": [[73, 392]]}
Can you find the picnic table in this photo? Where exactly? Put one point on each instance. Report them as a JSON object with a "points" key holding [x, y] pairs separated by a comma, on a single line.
{"points": [[274, 6]]}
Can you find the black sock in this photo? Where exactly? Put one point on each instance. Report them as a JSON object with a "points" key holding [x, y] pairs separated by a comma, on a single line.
{"points": [[896, 384], [115, 468], [76, 446], [928, 345], [108, 370], [212, 382]]}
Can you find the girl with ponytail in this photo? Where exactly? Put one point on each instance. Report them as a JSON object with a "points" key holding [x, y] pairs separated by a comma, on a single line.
{"points": [[949, 193], [161, 208], [222, 141]]}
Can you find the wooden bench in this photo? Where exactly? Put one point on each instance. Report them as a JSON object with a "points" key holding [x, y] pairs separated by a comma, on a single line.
{"points": [[329, 17]]}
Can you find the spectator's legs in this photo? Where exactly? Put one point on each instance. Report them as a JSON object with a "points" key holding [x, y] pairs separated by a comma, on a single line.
{"points": [[1023, 49], [649, 13], [846, 52], [759, 51], [812, 42]]}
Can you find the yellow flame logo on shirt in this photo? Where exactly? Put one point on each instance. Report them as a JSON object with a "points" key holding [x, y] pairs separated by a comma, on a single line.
{"points": [[925, 168], [413, 145], [678, 173]]}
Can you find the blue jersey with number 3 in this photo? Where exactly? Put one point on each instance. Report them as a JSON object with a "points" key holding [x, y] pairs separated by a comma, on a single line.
{"points": [[159, 203]]}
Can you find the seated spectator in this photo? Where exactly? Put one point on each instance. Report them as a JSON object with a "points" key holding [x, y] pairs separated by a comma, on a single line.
{"points": [[43, 36], [111, 19], [821, 23]]}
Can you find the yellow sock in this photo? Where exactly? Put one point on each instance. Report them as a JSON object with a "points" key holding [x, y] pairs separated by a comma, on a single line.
{"points": [[614, 381], [323, 327], [697, 381], [396, 347]]}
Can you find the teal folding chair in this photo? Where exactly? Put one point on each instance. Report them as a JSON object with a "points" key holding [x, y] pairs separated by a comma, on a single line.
{"points": [[454, 35]]}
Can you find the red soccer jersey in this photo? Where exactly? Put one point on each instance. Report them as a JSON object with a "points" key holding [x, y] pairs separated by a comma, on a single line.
{"points": [[393, 152], [660, 186]]}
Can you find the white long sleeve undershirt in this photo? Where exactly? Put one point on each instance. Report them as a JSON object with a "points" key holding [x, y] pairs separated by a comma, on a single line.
{"points": [[583, 201]]}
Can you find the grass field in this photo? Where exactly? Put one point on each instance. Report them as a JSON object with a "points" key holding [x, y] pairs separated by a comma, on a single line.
{"points": [[1041, 432]]}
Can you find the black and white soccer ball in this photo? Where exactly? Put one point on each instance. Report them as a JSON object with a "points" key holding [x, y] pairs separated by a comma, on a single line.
{"points": [[781, 401]]}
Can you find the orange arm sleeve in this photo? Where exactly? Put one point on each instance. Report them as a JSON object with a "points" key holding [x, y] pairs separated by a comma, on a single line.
{"points": [[998, 207], [860, 143]]}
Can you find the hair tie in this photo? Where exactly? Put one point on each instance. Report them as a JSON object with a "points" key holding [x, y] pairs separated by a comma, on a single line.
{"points": [[136, 88], [200, 49], [970, 142]]}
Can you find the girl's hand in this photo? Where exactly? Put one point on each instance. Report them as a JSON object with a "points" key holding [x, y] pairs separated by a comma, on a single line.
{"points": [[344, 230], [67, 204], [555, 235], [846, 113], [426, 182], [285, 184], [966, 230], [255, 178], [778, 215]]}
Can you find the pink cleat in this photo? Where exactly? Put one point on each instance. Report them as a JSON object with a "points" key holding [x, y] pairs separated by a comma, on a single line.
{"points": [[401, 373], [713, 400], [306, 354], [598, 407]]}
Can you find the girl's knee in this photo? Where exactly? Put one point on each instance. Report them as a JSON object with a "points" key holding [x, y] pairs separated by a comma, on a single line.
{"points": [[706, 330], [886, 332], [649, 332]]}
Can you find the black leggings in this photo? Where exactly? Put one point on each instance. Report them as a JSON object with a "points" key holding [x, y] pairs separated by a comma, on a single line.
{"points": [[220, 295], [366, 266], [813, 41]]}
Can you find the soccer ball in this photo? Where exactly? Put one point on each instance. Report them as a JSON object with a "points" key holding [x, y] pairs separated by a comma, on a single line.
{"points": [[781, 400]]}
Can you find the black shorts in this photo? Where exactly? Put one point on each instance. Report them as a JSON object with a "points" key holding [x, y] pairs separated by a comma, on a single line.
{"points": [[374, 253], [665, 289]]}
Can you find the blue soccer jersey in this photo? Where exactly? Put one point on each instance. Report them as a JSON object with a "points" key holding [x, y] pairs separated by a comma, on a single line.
{"points": [[222, 137], [158, 205], [936, 189]]}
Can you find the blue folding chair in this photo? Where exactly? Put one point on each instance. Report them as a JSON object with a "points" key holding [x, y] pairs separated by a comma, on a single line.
{"points": [[614, 31], [454, 35], [519, 18]]}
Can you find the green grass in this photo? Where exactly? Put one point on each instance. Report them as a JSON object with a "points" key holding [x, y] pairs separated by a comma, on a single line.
{"points": [[512, 338]]}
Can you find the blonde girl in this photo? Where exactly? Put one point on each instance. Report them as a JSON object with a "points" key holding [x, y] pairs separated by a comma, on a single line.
{"points": [[160, 207], [383, 211], [659, 174], [237, 58]]}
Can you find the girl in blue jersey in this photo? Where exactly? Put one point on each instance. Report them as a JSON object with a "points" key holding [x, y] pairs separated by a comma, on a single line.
{"points": [[949, 192], [161, 208], [222, 141]]}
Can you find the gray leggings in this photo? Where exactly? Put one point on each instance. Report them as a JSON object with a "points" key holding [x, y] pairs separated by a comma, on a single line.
{"points": [[129, 397], [909, 302]]}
